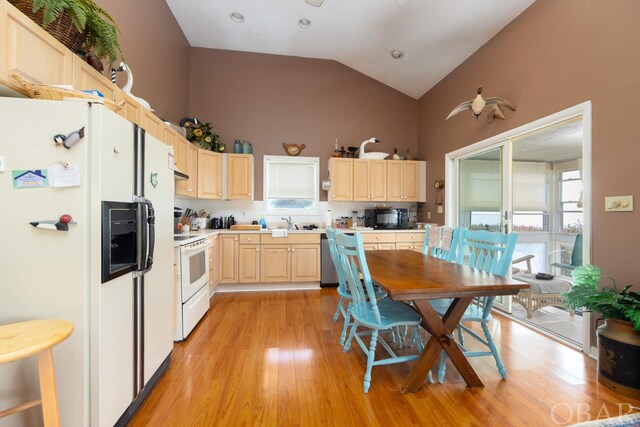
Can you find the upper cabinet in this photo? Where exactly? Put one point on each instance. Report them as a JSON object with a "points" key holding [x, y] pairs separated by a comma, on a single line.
{"points": [[403, 181], [28, 50], [150, 123], [377, 180], [239, 177], [341, 175], [369, 180], [209, 175], [85, 77]]}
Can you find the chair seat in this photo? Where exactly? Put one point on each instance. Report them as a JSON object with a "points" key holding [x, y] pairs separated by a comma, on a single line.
{"points": [[553, 286], [473, 313], [392, 313]]}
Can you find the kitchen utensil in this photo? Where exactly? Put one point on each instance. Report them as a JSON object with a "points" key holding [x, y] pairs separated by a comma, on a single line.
{"points": [[215, 223], [230, 221]]}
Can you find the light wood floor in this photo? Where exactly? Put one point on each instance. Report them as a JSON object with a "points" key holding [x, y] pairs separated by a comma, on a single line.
{"points": [[273, 359]]}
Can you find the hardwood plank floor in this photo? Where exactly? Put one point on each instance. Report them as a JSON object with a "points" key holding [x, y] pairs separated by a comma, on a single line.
{"points": [[274, 359]]}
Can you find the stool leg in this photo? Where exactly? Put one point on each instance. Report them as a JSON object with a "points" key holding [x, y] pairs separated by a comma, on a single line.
{"points": [[48, 392]]}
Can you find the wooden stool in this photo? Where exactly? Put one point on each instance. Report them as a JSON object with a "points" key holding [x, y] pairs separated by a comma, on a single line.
{"points": [[24, 339]]}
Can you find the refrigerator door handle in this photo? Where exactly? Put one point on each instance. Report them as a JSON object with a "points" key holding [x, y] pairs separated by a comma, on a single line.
{"points": [[151, 224], [146, 233]]}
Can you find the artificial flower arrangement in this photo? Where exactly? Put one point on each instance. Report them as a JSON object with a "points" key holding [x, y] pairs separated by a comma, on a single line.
{"points": [[202, 134]]}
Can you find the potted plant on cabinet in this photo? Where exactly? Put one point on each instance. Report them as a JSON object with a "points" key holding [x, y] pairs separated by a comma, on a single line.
{"points": [[78, 24], [619, 336]]}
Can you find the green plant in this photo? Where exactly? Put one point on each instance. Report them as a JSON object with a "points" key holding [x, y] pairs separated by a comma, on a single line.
{"points": [[102, 31], [608, 300], [202, 134]]}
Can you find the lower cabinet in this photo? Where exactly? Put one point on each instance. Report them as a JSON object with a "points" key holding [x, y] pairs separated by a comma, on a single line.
{"points": [[391, 241], [213, 262], [305, 263], [249, 264], [276, 263], [228, 265]]}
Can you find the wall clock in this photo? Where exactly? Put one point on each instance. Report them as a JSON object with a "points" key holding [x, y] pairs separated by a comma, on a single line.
{"points": [[293, 149]]}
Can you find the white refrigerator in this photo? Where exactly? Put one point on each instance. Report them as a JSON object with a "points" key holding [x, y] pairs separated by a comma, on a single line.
{"points": [[123, 322]]}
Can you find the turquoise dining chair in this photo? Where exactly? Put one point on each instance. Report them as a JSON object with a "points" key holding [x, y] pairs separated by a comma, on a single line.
{"points": [[487, 251], [343, 287], [576, 256], [439, 252], [367, 312]]}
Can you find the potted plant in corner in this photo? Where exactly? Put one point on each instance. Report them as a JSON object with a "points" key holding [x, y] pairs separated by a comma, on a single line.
{"points": [[619, 336], [81, 25]]}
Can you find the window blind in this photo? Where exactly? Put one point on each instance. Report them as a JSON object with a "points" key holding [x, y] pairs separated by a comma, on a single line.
{"points": [[287, 180], [530, 186]]}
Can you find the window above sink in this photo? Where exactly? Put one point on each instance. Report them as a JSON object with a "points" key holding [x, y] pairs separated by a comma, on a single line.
{"points": [[291, 185]]}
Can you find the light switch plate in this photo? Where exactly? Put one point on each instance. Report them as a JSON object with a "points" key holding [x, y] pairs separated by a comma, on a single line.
{"points": [[618, 204], [440, 209], [2, 164]]}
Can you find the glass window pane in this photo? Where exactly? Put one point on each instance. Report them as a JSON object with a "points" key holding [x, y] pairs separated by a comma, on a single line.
{"points": [[529, 221], [575, 174], [571, 207], [571, 190], [538, 250], [485, 221], [572, 222]]}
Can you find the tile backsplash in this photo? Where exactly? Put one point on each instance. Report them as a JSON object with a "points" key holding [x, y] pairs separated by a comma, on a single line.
{"points": [[246, 211]]}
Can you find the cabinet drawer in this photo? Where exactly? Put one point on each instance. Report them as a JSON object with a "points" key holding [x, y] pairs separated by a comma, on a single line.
{"points": [[410, 237], [410, 246], [294, 239], [386, 246], [378, 237], [249, 239]]}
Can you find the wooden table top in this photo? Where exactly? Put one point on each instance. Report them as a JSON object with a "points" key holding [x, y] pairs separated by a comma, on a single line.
{"points": [[409, 275]]}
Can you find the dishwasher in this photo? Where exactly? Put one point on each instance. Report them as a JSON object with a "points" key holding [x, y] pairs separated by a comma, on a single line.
{"points": [[328, 275]]}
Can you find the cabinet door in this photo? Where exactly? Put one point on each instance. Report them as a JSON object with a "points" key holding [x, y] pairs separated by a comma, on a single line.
{"points": [[213, 262], [130, 110], [276, 263], [305, 263], [361, 171], [28, 50], [150, 123], [404, 245], [209, 174], [249, 264], [181, 159], [395, 192], [228, 259], [341, 173], [240, 177], [85, 77], [192, 170], [386, 246], [411, 181], [370, 246], [378, 180]]}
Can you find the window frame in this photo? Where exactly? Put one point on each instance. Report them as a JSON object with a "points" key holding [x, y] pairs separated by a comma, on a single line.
{"points": [[315, 207]]}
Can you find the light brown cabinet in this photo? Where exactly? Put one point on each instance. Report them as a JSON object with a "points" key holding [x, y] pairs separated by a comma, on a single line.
{"points": [[390, 241], [151, 123], [369, 180], [403, 180], [228, 259], [85, 77], [341, 175], [132, 111], [249, 264], [305, 263], [209, 175], [213, 262], [28, 50], [276, 264], [239, 176], [186, 157]]}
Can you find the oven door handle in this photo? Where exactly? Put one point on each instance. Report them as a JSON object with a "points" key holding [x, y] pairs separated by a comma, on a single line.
{"points": [[196, 248]]}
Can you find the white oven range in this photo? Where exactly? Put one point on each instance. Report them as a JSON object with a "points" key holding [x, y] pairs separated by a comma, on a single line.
{"points": [[192, 296]]}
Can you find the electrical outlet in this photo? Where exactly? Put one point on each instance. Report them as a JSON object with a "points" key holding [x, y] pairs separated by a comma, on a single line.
{"points": [[1, 163], [618, 204], [428, 215]]}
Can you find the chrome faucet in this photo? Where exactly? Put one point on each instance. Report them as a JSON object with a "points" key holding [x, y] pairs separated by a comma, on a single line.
{"points": [[289, 222]]}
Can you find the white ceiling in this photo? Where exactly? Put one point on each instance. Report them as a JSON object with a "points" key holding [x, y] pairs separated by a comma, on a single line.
{"points": [[436, 35]]}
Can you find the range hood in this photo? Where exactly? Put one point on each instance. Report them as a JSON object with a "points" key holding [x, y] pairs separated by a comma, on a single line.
{"points": [[178, 175]]}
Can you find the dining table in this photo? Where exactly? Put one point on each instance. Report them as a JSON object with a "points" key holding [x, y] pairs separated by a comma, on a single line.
{"points": [[411, 276]]}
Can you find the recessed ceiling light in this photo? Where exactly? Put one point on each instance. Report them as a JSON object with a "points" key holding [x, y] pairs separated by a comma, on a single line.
{"points": [[396, 53], [237, 17], [304, 23]]}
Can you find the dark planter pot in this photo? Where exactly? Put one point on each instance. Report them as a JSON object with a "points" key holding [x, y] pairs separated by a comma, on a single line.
{"points": [[619, 357]]}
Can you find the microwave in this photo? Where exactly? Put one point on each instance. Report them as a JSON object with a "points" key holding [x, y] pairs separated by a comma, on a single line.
{"points": [[386, 219]]}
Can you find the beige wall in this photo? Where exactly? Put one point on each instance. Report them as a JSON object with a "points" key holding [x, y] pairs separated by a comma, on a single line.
{"points": [[157, 51], [555, 55], [271, 99]]}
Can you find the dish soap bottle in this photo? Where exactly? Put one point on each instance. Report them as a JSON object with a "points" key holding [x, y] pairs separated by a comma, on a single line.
{"points": [[263, 222]]}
